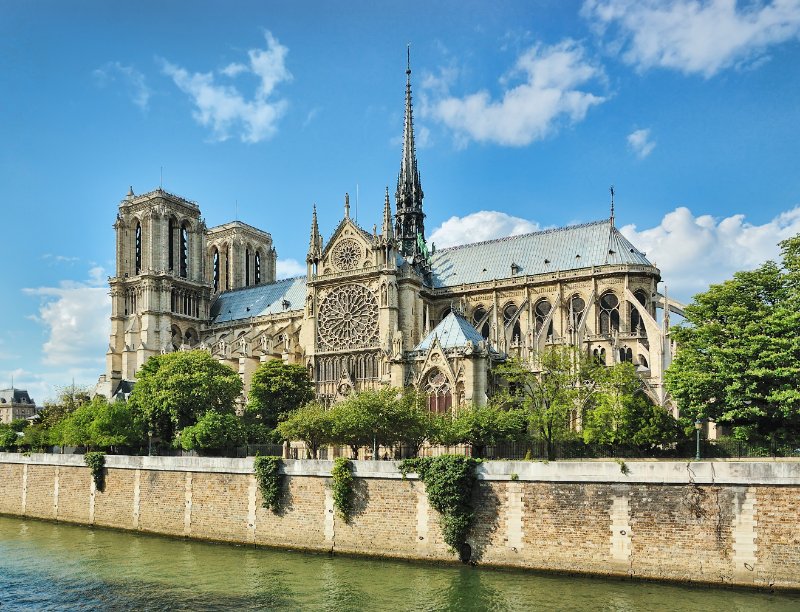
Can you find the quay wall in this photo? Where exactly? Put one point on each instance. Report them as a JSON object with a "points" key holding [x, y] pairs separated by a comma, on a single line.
{"points": [[720, 522]]}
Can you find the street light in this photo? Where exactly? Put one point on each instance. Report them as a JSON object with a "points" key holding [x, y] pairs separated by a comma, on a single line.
{"points": [[149, 442], [698, 425]]}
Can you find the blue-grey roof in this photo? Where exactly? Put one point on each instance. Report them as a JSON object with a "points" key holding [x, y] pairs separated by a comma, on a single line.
{"points": [[566, 248], [259, 300], [453, 331]]}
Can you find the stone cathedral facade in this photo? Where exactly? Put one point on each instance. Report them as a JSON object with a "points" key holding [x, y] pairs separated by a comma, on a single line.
{"points": [[379, 307]]}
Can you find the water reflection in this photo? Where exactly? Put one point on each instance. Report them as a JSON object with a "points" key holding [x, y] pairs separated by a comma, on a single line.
{"points": [[56, 566]]}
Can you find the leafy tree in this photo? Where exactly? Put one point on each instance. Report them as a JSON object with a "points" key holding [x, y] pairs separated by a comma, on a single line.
{"points": [[276, 389], [67, 401], [353, 423], [311, 423], [565, 381], [483, 426], [214, 431], [622, 414], [115, 424], [173, 390], [739, 351], [8, 437], [35, 438], [18, 424]]}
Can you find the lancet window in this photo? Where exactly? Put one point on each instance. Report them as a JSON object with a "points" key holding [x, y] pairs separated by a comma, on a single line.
{"points": [[636, 324], [541, 310], [184, 250], [509, 315], [437, 388], [258, 268], [609, 313], [576, 307], [138, 247], [478, 315]]}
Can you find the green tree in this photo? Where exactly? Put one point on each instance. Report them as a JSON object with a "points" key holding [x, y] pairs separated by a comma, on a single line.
{"points": [[214, 431], [353, 423], [68, 400], [482, 426], [738, 359], [115, 424], [8, 437], [622, 414], [564, 382], [276, 389], [173, 390], [311, 424]]}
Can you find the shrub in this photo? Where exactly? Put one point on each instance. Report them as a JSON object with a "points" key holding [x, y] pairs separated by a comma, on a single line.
{"points": [[342, 474], [270, 480], [96, 462]]}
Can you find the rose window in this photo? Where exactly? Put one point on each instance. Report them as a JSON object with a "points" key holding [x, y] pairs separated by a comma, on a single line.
{"points": [[346, 254], [348, 318]]}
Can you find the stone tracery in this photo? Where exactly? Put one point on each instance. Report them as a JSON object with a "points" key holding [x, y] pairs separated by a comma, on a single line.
{"points": [[348, 318]]}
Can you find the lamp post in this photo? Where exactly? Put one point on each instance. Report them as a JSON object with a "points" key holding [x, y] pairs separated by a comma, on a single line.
{"points": [[698, 424], [149, 442]]}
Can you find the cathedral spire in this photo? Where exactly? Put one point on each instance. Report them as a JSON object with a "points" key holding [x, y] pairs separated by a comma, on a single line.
{"points": [[387, 217], [410, 228], [315, 242]]}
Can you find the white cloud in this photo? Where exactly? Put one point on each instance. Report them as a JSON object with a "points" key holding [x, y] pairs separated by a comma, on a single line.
{"points": [[224, 108], [693, 36], [132, 80], [479, 226], [549, 94], [287, 268], [694, 252], [75, 316], [640, 142]]}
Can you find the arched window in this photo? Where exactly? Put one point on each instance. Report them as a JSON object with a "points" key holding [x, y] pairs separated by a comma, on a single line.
{"points": [[599, 355], [478, 315], [540, 312], [509, 314], [437, 387], [609, 313], [173, 225], [190, 337], [636, 325], [138, 247], [184, 250], [576, 307], [177, 338], [247, 267], [215, 267], [258, 268], [227, 267], [626, 355]]}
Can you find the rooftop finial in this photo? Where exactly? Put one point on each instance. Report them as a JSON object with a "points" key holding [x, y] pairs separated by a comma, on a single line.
{"points": [[346, 205], [611, 189], [408, 59]]}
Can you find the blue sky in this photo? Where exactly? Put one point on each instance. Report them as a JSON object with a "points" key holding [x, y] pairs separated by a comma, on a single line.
{"points": [[525, 113]]}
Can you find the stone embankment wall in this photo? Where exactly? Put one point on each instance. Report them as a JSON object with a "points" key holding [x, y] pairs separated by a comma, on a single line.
{"points": [[714, 522]]}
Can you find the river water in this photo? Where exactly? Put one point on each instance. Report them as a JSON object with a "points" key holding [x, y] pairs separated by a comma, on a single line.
{"points": [[48, 566]]}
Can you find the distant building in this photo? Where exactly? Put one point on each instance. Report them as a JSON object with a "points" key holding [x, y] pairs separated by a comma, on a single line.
{"points": [[15, 404], [380, 307]]}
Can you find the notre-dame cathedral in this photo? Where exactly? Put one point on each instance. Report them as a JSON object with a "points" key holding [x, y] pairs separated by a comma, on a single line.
{"points": [[381, 307]]}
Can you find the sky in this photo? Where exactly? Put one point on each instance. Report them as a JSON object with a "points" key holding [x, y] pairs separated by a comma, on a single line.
{"points": [[525, 113]]}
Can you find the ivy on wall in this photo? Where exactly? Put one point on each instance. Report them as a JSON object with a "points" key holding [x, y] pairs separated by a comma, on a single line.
{"points": [[270, 480], [449, 483], [96, 462], [342, 474]]}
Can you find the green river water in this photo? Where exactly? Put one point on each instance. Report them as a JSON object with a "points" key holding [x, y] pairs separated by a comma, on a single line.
{"points": [[48, 566]]}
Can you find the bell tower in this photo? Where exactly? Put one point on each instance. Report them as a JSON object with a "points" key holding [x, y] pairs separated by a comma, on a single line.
{"points": [[159, 294]]}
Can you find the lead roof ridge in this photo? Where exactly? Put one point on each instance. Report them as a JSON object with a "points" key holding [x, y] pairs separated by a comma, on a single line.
{"points": [[551, 230]]}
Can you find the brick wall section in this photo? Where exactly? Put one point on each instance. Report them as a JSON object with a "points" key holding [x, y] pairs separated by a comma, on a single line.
{"points": [[220, 506], [74, 484], [778, 539], [39, 498], [384, 518], [300, 521], [681, 533], [11, 488], [162, 502], [113, 506], [733, 523]]}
